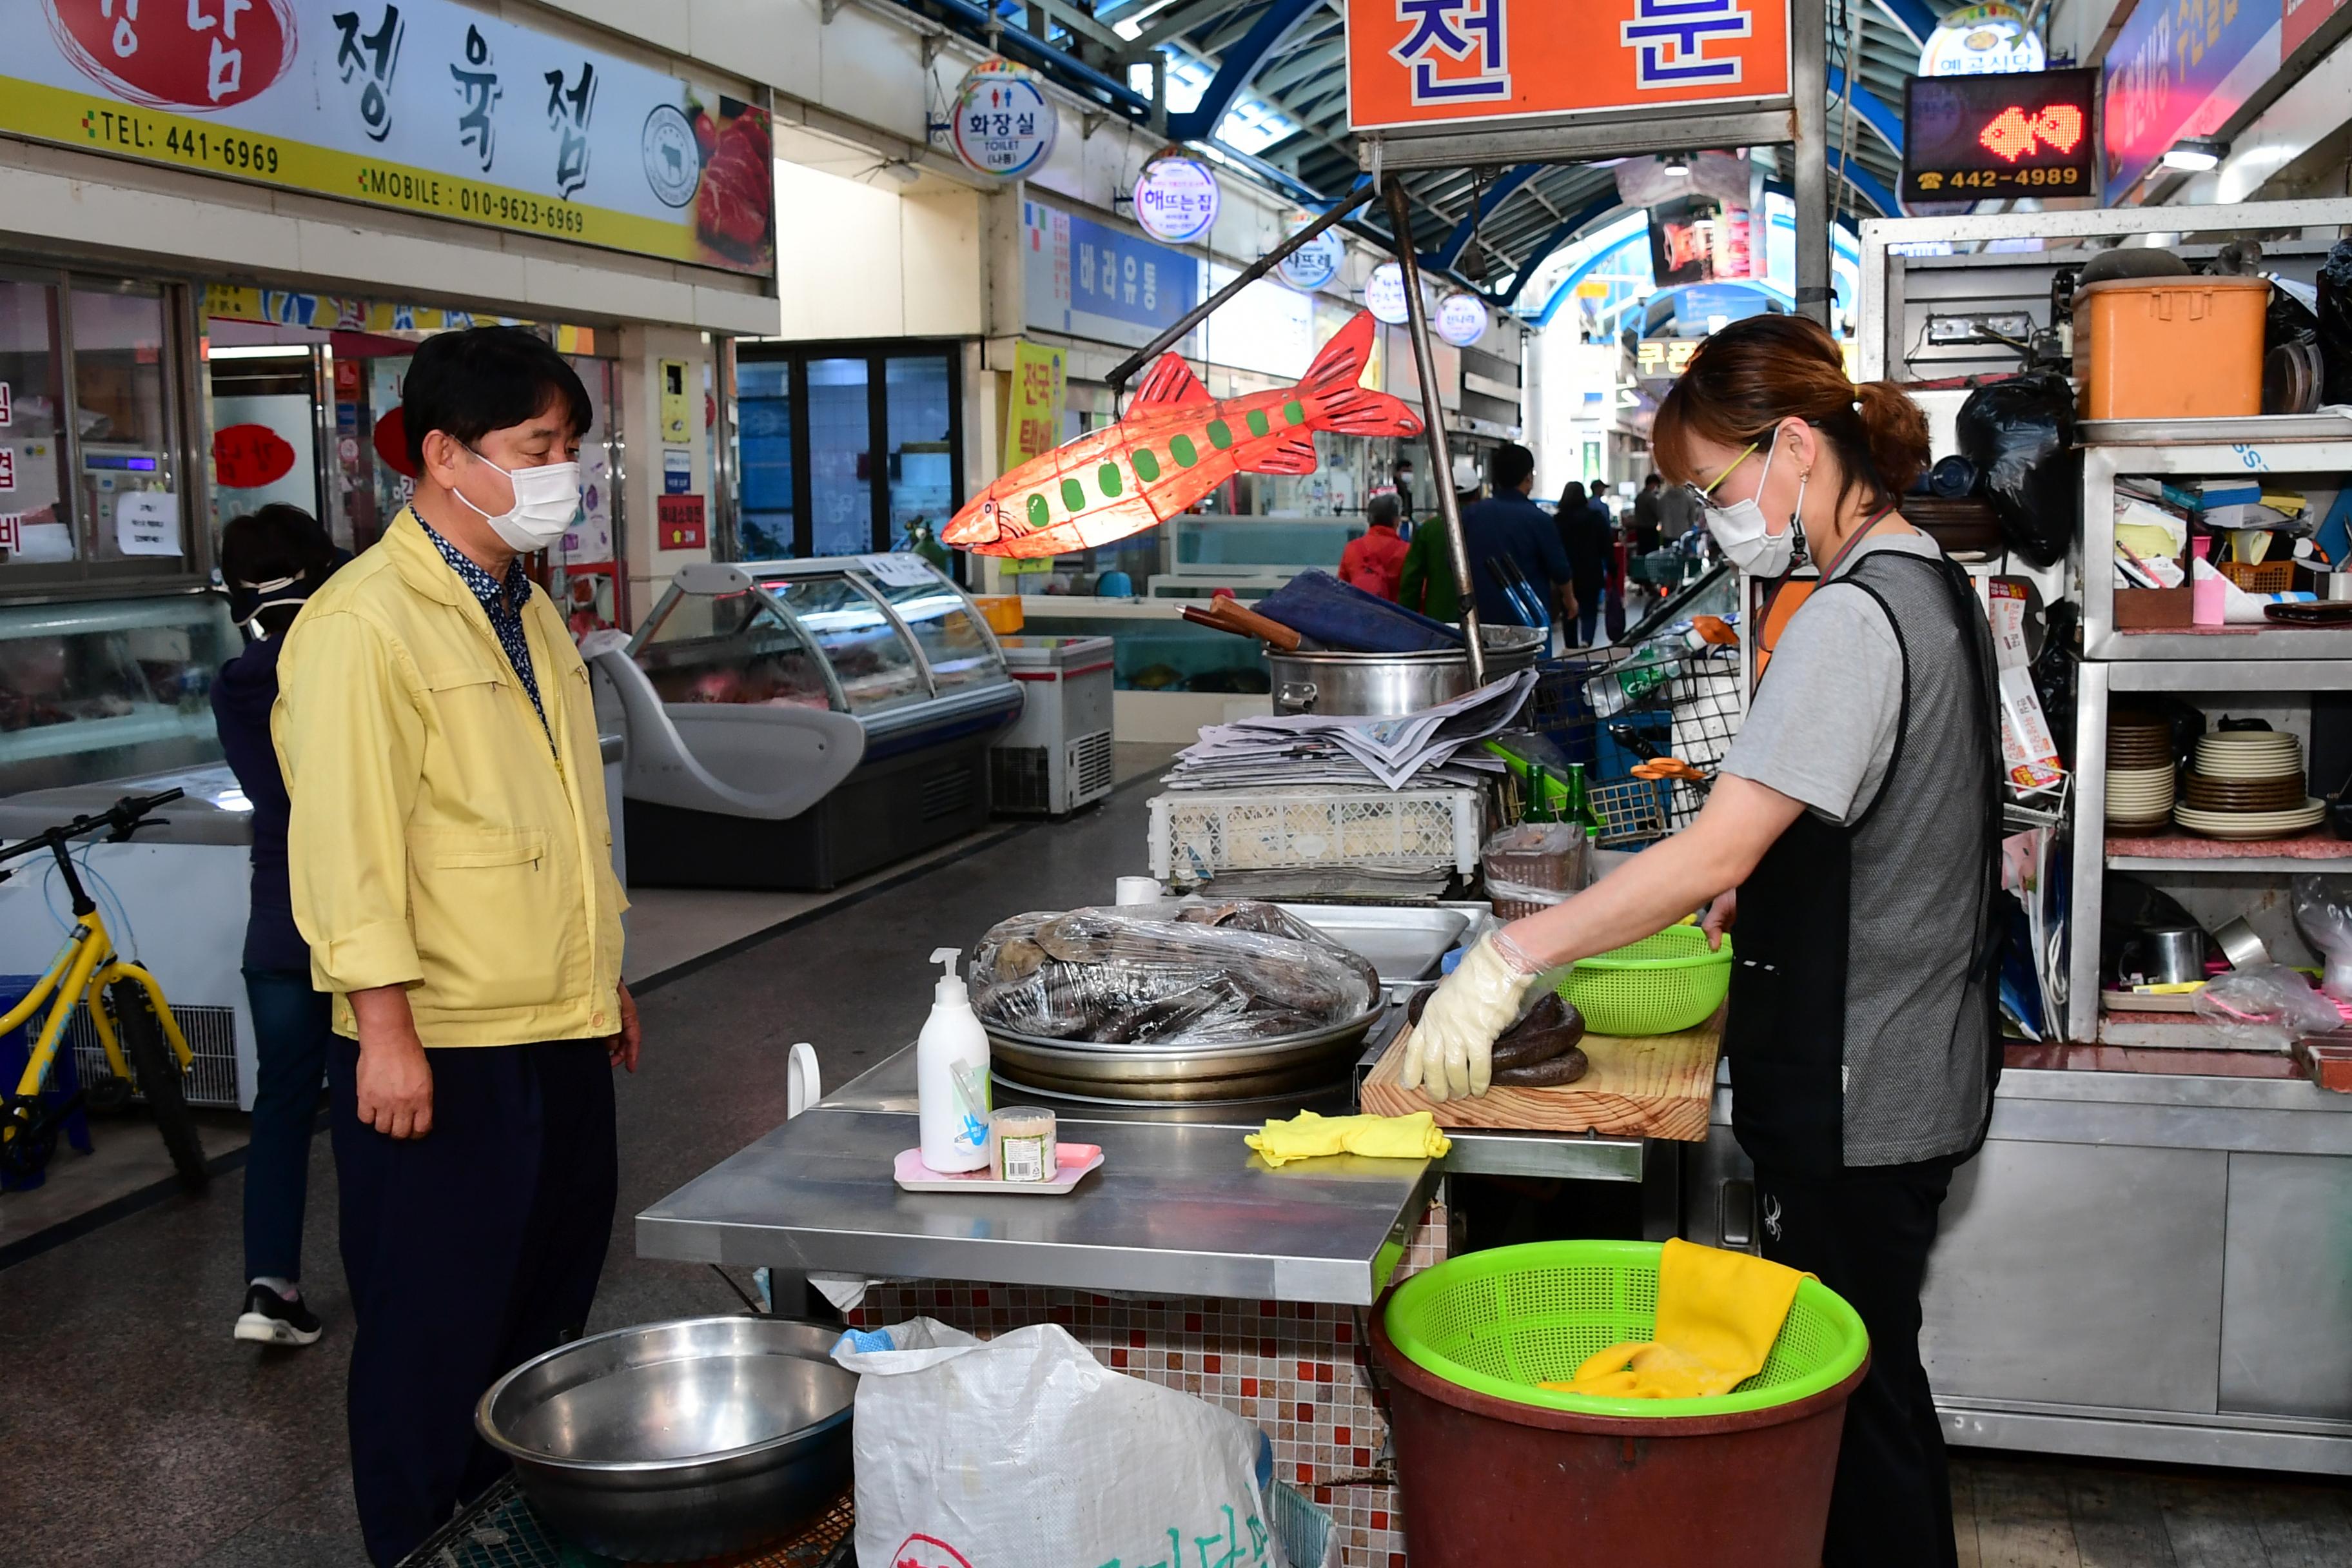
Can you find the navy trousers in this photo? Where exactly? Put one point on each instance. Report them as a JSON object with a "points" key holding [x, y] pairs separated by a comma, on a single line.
{"points": [[1867, 1234], [290, 1031], [469, 1251]]}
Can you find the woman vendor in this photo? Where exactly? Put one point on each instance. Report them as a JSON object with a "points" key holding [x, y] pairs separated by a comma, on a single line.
{"points": [[1855, 831]]}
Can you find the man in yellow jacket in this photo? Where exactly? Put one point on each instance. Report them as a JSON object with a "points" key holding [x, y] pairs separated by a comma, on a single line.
{"points": [[451, 870]]}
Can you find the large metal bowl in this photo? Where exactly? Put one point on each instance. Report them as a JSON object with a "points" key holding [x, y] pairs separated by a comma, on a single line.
{"points": [[1167, 1075], [1389, 684], [679, 1440]]}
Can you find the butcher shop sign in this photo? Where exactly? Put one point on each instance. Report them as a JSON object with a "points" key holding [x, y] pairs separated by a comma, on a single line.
{"points": [[424, 105]]}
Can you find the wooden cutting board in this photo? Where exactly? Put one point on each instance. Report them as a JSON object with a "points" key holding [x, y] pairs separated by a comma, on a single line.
{"points": [[1656, 1086]]}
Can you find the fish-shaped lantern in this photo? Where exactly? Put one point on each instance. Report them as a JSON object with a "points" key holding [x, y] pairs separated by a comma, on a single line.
{"points": [[1175, 445]]}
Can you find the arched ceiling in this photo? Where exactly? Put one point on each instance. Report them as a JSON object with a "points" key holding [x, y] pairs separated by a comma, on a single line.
{"points": [[1273, 73]]}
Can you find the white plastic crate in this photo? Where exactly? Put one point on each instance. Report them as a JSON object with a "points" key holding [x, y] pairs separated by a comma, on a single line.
{"points": [[1208, 832]]}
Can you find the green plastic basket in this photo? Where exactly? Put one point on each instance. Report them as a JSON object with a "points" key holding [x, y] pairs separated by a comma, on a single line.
{"points": [[1499, 1322], [1659, 985]]}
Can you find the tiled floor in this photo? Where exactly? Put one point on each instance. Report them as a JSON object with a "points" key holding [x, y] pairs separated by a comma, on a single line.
{"points": [[2012, 1511]]}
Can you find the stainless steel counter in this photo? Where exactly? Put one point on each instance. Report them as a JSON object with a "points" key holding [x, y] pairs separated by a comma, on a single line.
{"points": [[1180, 1209], [2146, 1265]]}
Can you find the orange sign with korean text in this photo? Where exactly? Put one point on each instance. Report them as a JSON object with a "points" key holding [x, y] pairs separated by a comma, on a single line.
{"points": [[1438, 62]]}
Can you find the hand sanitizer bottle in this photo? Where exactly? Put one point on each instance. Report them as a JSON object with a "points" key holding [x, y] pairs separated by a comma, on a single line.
{"points": [[951, 1078]]}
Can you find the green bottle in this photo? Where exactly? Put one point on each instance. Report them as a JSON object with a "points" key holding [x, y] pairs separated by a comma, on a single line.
{"points": [[1538, 807]]}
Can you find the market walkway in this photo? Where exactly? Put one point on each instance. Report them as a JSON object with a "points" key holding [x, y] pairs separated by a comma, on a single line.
{"points": [[136, 1431]]}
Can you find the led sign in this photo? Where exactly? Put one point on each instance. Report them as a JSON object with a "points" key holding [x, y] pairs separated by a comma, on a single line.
{"points": [[1976, 138]]}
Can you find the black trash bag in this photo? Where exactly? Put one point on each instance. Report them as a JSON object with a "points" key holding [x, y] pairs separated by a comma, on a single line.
{"points": [[2020, 434], [2335, 323], [2056, 674], [2287, 320]]}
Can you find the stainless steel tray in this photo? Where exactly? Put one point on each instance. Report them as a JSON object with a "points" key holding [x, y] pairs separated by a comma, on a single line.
{"points": [[1402, 941], [1176, 1075]]}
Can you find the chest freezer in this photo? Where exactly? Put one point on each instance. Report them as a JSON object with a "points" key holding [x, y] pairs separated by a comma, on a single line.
{"points": [[175, 898]]}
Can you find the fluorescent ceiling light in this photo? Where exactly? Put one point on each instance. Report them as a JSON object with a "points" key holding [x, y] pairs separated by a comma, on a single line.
{"points": [[2194, 154], [258, 351], [1676, 166]]}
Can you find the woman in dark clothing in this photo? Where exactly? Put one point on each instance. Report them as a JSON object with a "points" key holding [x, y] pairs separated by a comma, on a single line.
{"points": [[272, 560], [1586, 533]]}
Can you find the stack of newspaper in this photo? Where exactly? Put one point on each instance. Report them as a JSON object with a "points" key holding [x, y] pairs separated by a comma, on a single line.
{"points": [[1435, 746]]}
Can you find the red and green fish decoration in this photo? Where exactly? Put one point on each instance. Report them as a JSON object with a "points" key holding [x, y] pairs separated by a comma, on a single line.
{"points": [[1174, 445]]}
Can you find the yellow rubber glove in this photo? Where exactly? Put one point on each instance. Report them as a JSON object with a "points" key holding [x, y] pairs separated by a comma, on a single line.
{"points": [[1308, 1136], [1718, 1315], [1452, 1051]]}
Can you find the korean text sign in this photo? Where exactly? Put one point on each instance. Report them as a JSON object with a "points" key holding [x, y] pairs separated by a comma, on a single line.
{"points": [[426, 105], [1034, 417], [1434, 62], [2180, 68], [1095, 281]]}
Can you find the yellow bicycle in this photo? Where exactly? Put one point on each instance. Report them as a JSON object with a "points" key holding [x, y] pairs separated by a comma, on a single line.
{"points": [[142, 1041]]}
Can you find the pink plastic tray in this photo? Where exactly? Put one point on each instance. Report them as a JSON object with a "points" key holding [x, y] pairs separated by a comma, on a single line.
{"points": [[1071, 1161]]}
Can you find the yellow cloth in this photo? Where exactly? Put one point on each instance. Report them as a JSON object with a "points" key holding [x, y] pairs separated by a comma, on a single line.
{"points": [[1719, 1313], [437, 842], [1307, 1136]]}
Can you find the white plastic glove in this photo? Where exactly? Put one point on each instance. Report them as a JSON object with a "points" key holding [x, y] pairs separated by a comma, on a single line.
{"points": [[1452, 1051]]}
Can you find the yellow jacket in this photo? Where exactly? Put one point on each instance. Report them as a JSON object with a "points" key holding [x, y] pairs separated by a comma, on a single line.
{"points": [[437, 842]]}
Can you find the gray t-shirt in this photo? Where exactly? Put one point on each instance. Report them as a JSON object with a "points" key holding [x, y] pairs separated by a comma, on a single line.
{"points": [[1823, 725]]}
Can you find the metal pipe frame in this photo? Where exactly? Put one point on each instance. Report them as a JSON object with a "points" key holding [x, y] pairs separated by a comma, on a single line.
{"points": [[1424, 363], [1880, 296], [1127, 367], [1809, 67]]}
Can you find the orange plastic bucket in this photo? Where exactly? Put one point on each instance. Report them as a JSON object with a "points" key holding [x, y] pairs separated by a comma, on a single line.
{"points": [[2171, 348]]}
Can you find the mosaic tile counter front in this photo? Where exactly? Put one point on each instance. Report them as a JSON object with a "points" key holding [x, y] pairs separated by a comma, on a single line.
{"points": [[1300, 1370]]}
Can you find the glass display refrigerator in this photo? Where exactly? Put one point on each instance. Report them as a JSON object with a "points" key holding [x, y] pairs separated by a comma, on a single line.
{"points": [[105, 689], [798, 723]]}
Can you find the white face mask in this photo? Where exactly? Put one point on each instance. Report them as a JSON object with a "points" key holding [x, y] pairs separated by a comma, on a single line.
{"points": [[546, 500], [1746, 538]]}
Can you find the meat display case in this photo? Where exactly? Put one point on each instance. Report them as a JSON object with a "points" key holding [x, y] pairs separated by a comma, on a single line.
{"points": [[103, 689], [798, 723]]}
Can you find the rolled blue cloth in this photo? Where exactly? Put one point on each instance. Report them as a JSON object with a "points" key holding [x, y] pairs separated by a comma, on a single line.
{"points": [[1316, 605]]}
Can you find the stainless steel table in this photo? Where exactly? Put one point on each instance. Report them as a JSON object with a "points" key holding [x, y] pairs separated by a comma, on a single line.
{"points": [[1179, 1208]]}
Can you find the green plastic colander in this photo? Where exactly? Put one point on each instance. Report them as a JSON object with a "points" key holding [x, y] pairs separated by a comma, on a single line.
{"points": [[1659, 985], [1501, 1322]]}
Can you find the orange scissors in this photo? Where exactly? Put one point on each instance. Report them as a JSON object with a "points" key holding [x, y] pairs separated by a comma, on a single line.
{"points": [[1672, 768]]}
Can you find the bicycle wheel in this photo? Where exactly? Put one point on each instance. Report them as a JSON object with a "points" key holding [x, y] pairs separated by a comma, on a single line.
{"points": [[157, 1072]]}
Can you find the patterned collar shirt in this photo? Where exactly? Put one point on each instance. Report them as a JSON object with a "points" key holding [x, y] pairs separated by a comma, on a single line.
{"points": [[502, 602]]}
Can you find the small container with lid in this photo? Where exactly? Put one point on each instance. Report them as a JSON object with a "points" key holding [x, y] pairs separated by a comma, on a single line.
{"points": [[1021, 1144]]}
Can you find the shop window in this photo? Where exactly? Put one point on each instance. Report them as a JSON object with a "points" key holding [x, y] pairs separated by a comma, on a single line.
{"points": [[265, 425], [917, 391], [841, 452], [766, 529], [846, 449], [127, 451], [36, 518]]}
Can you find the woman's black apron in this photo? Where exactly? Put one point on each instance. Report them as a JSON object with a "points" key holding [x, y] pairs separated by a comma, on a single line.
{"points": [[1863, 1027]]}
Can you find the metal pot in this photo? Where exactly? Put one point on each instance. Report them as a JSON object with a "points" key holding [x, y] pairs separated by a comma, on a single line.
{"points": [[1389, 684], [675, 1441]]}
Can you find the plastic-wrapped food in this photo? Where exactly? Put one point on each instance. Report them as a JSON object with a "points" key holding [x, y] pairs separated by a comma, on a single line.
{"points": [[2020, 434], [2323, 908], [2266, 1006], [1112, 978]]}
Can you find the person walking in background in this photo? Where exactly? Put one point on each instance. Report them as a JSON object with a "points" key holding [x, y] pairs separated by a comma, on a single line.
{"points": [[1509, 525], [1586, 534], [1426, 582], [1375, 562], [1644, 532], [449, 854], [273, 560]]}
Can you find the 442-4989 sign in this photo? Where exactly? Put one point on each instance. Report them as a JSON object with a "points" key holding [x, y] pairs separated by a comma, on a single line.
{"points": [[1974, 138]]}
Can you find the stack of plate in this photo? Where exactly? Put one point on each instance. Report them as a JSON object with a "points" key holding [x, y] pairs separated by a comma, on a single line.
{"points": [[2139, 773], [2248, 784]]}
